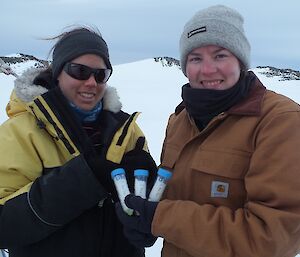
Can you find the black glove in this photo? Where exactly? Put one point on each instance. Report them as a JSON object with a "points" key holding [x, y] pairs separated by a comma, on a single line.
{"points": [[137, 228], [138, 239], [139, 159], [134, 159]]}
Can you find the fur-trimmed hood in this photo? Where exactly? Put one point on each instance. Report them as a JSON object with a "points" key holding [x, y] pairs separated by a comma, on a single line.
{"points": [[25, 91]]}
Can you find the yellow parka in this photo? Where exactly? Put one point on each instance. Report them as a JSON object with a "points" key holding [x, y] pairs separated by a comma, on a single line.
{"points": [[55, 198]]}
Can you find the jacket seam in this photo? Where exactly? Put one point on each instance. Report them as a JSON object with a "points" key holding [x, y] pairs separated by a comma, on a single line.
{"points": [[38, 216], [58, 131]]}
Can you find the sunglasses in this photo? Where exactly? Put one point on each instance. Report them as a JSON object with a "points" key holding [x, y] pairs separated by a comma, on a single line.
{"points": [[83, 72]]}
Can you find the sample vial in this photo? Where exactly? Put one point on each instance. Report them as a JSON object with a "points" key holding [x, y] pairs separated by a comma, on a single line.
{"points": [[159, 186], [119, 178], [140, 182]]}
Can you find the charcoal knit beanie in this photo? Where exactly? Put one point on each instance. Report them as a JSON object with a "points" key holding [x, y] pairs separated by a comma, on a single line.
{"points": [[75, 44], [216, 25]]}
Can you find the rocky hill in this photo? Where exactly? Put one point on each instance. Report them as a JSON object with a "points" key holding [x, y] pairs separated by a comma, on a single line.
{"points": [[21, 58], [269, 71], [284, 74]]}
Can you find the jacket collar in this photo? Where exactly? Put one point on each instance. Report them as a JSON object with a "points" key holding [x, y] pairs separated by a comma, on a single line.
{"points": [[26, 91], [251, 105]]}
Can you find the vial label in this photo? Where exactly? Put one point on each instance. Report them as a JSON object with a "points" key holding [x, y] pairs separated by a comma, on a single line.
{"points": [[140, 188]]}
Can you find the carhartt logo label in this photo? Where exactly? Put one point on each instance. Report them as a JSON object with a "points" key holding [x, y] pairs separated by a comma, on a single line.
{"points": [[196, 31], [219, 189]]}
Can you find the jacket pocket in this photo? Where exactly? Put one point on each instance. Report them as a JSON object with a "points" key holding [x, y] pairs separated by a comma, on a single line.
{"points": [[219, 177], [230, 163]]}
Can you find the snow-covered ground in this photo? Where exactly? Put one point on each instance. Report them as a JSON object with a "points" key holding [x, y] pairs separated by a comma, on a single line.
{"points": [[155, 90]]}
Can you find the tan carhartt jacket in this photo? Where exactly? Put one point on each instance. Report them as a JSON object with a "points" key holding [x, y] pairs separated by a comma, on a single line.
{"points": [[235, 190]]}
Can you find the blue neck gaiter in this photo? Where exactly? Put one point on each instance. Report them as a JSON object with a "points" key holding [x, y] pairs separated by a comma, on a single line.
{"points": [[87, 116]]}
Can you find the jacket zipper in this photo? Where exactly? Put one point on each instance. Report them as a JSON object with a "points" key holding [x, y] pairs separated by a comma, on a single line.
{"points": [[60, 134]]}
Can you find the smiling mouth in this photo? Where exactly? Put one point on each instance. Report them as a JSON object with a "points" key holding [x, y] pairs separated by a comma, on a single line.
{"points": [[87, 95], [213, 83]]}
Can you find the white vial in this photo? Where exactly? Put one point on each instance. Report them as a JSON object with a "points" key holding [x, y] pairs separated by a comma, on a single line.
{"points": [[159, 186], [119, 178], [140, 182]]}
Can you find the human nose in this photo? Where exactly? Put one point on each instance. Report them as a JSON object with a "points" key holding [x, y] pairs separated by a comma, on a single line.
{"points": [[208, 66], [91, 81]]}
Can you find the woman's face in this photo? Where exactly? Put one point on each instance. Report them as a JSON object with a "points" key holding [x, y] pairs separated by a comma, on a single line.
{"points": [[85, 94], [212, 67]]}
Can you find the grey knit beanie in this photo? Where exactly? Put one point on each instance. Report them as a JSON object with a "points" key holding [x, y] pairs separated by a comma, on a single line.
{"points": [[217, 25], [76, 43]]}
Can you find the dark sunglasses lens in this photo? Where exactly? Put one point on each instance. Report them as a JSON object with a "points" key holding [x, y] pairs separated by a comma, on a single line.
{"points": [[102, 75], [82, 72], [78, 71]]}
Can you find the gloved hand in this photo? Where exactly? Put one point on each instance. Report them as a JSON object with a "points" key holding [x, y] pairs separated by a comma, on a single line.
{"points": [[137, 228], [134, 159], [138, 239], [139, 159]]}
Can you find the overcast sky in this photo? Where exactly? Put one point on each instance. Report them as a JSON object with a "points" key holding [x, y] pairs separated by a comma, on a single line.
{"points": [[137, 29]]}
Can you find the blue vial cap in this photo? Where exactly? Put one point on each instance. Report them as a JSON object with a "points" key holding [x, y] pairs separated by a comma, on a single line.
{"points": [[141, 172], [164, 173], [117, 172]]}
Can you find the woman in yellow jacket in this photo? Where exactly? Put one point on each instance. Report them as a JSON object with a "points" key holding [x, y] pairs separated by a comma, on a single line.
{"points": [[66, 132], [234, 149]]}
